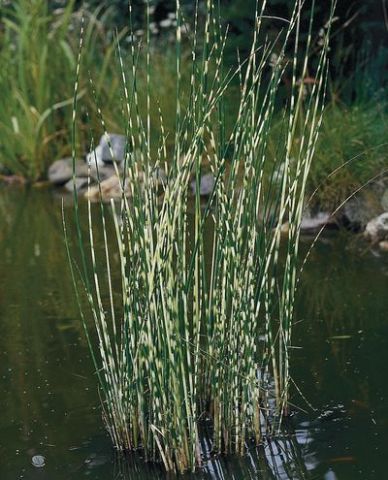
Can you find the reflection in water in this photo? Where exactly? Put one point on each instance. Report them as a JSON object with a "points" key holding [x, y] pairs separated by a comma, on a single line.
{"points": [[48, 399], [279, 459]]}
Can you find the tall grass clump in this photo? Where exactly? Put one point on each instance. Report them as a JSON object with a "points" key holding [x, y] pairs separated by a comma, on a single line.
{"points": [[202, 329]]}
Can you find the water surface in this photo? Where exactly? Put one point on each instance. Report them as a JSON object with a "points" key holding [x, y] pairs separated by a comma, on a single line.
{"points": [[48, 397]]}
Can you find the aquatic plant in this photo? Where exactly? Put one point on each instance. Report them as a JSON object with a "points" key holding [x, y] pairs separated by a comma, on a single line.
{"points": [[199, 326]]}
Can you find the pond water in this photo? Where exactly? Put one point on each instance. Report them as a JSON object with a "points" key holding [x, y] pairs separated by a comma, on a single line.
{"points": [[48, 397]]}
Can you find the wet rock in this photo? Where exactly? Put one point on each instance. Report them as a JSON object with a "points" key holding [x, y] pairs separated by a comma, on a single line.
{"points": [[377, 229], [206, 185], [80, 183], [61, 171], [384, 245], [102, 153], [110, 188], [312, 223], [38, 461]]}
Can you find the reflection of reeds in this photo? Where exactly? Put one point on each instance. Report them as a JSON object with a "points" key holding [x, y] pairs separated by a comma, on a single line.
{"points": [[186, 346], [280, 459]]}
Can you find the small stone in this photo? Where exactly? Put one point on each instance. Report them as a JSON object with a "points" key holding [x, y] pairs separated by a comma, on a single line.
{"points": [[384, 245], [377, 229], [102, 154], [111, 188], [285, 227], [94, 158], [38, 461], [206, 185], [314, 223], [117, 145], [61, 171], [13, 179]]}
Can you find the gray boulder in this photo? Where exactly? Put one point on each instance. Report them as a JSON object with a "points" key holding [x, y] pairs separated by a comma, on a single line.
{"points": [[377, 229], [103, 152], [61, 171]]}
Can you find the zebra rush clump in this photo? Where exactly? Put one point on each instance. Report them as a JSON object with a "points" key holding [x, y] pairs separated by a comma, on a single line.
{"points": [[202, 332]]}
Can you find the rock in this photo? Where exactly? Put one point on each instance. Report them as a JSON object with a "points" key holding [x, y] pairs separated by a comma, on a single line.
{"points": [[80, 183], [377, 229], [61, 171], [102, 153], [206, 185], [110, 188], [95, 157], [285, 228], [357, 211], [384, 245], [314, 223], [13, 179], [117, 143], [38, 461]]}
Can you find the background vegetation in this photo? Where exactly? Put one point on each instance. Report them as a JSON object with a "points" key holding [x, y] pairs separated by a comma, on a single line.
{"points": [[38, 46]]}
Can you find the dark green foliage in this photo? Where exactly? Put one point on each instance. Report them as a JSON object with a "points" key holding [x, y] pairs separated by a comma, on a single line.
{"points": [[359, 32]]}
